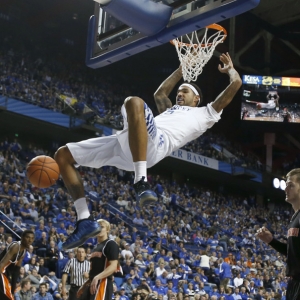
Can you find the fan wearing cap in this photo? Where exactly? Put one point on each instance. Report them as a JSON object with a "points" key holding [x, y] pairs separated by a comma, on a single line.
{"points": [[63, 216], [129, 287], [122, 294]]}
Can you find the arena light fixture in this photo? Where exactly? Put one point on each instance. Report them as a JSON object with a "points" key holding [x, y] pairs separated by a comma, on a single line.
{"points": [[276, 183], [282, 185]]}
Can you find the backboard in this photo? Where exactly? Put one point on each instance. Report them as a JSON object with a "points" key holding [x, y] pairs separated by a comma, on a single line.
{"points": [[110, 40]]}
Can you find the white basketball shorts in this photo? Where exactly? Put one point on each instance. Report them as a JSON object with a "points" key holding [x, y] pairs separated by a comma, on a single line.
{"points": [[270, 105], [114, 150]]}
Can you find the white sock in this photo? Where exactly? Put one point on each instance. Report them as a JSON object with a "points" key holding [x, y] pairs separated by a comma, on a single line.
{"points": [[81, 209], [140, 170]]}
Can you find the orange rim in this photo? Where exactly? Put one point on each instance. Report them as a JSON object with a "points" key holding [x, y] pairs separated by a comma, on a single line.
{"points": [[212, 26]]}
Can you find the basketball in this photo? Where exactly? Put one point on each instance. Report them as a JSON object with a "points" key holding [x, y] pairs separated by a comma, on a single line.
{"points": [[42, 171], [258, 106]]}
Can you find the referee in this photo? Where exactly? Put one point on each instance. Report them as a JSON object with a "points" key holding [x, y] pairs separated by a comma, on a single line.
{"points": [[79, 269]]}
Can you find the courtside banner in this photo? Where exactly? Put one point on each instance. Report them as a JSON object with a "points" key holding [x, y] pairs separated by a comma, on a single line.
{"points": [[196, 159]]}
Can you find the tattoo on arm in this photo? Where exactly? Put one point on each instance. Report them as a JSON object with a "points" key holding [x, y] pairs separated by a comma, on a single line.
{"points": [[161, 96], [162, 103], [227, 95]]}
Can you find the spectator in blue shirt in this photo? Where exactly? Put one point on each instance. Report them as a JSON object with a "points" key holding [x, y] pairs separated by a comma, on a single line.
{"points": [[203, 277], [133, 274], [150, 248], [25, 212], [174, 277], [174, 247], [42, 294], [215, 292], [163, 278], [243, 293], [40, 230], [170, 287], [158, 287], [62, 229], [225, 272], [63, 216], [185, 267]]}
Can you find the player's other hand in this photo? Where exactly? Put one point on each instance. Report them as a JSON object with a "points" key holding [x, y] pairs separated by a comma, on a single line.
{"points": [[227, 63], [264, 234], [94, 284]]}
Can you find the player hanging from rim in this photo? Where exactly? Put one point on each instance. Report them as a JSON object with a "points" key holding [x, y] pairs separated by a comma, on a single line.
{"points": [[104, 262], [11, 259], [273, 101], [143, 142]]}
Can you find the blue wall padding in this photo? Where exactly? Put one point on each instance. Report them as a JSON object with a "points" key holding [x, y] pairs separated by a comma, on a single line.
{"points": [[144, 16]]}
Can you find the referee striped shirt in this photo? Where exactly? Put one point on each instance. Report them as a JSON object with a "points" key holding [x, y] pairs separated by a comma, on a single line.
{"points": [[76, 268]]}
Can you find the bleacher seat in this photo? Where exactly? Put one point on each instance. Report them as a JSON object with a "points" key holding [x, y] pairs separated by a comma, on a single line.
{"points": [[29, 222], [207, 289], [119, 281]]}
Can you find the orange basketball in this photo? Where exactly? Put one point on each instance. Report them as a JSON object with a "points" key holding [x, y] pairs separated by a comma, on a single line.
{"points": [[258, 106], [42, 171]]}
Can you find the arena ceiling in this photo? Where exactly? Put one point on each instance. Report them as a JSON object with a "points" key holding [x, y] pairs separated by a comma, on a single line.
{"points": [[272, 28]]}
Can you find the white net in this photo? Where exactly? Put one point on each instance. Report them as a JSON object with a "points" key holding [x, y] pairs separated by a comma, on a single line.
{"points": [[194, 51]]}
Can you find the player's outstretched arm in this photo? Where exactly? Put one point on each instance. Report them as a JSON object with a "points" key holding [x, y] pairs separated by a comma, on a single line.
{"points": [[235, 83], [161, 96]]}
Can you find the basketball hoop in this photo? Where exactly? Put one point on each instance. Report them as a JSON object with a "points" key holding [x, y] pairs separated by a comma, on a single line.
{"points": [[194, 51]]}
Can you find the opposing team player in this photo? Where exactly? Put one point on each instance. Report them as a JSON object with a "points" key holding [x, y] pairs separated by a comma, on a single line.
{"points": [[143, 142], [104, 262], [10, 262], [291, 249]]}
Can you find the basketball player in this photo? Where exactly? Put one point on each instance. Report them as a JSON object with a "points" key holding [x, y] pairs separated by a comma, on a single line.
{"points": [[291, 249], [143, 142], [286, 115], [104, 262], [273, 101], [10, 262]]}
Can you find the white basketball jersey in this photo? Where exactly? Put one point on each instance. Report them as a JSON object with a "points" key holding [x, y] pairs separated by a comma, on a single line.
{"points": [[182, 124], [170, 130]]}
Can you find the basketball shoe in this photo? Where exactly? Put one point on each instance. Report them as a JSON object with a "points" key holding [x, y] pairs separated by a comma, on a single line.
{"points": [[85, 229], [144, 195]]}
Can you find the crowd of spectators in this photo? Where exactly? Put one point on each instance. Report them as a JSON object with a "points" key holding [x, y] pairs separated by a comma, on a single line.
{"points": [[208, 252]]}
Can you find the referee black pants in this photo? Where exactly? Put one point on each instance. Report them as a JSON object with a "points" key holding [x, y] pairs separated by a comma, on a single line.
{"points": [[73, 291], [293, 289]]}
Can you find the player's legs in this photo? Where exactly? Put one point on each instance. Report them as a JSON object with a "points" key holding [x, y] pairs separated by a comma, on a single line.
{"points": [[138, 141], [250, 101], [69, 173], [104, 291], [85, 227], [137, 135], [5, 288], [293, 290]]}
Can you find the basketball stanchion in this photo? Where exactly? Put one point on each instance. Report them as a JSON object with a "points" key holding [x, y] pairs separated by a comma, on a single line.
{"points": [[196, 49]]}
